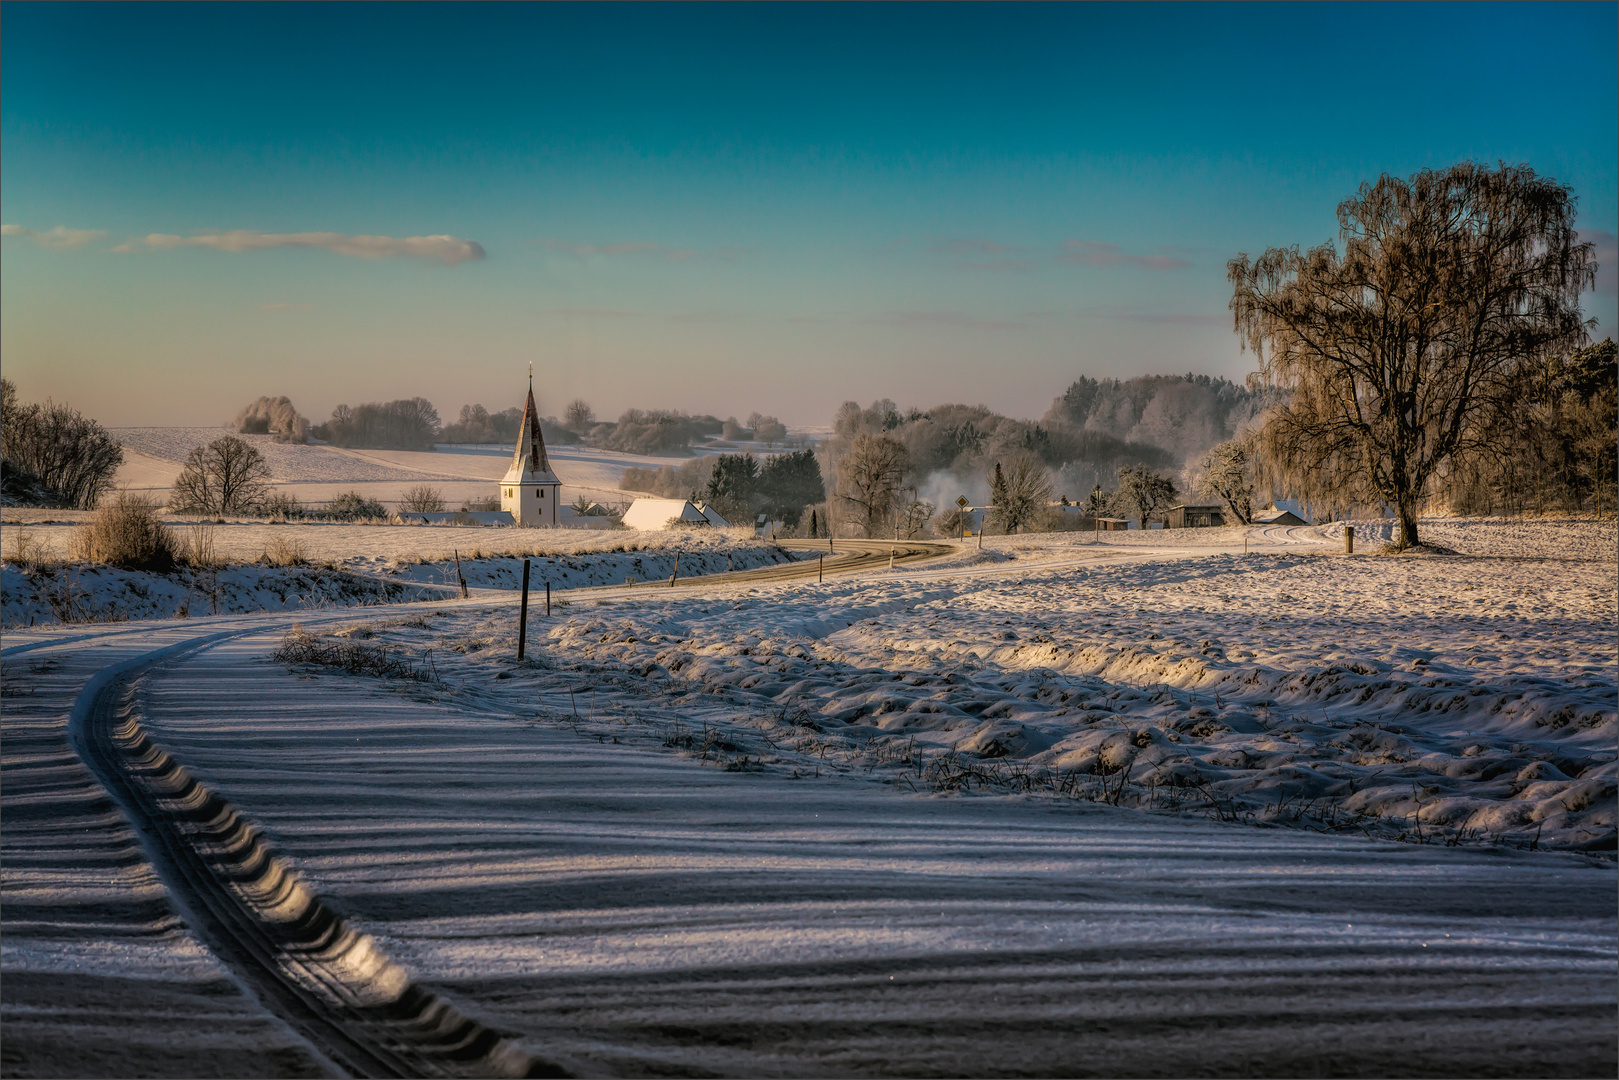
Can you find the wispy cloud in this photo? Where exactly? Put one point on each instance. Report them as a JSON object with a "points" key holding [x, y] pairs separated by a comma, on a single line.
{"points": [[1607, 254], [449, 250], [60, 238], [1096, 253]]}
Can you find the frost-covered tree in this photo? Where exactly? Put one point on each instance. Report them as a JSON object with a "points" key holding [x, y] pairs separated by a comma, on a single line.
{"points": [[1143, 492], [1398, 355], [1226, 473], [1019, 494], [870, 477], [579, 415]]}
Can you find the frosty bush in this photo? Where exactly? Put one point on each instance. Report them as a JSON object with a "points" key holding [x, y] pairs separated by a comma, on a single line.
{"points": [[126, 533], [351, 505]]}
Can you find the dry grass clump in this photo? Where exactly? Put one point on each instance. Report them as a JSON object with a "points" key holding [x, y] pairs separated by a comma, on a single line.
{"points": [[125, 532], [26, 550], [299, 646], [198, 546], [285, 551]]}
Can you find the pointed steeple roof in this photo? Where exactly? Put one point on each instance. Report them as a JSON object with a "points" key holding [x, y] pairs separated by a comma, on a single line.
{"points": [[529, 464]]}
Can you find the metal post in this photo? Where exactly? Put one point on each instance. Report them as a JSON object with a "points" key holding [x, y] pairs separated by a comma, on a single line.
{"points": [[1349, 539], [522, 616]]}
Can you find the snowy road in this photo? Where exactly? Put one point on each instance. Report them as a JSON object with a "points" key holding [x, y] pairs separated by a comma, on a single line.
{"points": [[618, 909]]}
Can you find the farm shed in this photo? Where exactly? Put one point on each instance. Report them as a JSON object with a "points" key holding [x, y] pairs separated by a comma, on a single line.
{"points": [[671, 513], [1278, 517], [1195, 517]]}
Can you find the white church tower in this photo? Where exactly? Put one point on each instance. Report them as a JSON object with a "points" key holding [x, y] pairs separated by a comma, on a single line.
{"points": [[530, 491]]}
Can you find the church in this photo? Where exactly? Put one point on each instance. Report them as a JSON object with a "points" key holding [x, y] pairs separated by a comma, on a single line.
{"points": [[530, 492]]}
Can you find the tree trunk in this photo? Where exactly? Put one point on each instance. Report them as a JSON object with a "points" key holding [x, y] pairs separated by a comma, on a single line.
{"points": [[1407, 510]]}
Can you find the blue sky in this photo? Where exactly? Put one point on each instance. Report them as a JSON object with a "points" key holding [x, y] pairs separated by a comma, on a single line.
{"points": [[720, 208]]}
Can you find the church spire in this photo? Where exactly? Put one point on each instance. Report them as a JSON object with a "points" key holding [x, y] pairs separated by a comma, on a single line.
{"points": [[529, 456]]}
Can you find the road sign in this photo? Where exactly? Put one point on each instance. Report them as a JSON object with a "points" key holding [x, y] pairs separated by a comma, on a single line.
{"points": [[961, 502]]}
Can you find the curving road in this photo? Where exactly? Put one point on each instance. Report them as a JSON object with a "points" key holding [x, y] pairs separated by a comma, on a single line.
{"points": [[571, 907]]}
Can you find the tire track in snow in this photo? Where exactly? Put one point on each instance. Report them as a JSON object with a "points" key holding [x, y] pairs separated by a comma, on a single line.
{"points": [[302, 960]]}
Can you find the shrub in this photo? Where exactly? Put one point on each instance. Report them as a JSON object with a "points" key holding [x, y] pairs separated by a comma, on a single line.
{"points": [[422, 499], [285, 551], [485, 505], [126, 533], [351, 505], [284, 506]]}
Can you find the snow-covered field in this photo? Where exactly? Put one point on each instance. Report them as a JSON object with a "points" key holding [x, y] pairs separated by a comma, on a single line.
{"points": [[1049, 807], [1443, 699], [317, 473]]}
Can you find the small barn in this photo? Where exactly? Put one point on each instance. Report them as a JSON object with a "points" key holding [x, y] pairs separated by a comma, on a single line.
{"points": [[1186, 516], [652, 514], [1273, 516], [1112, 524]]}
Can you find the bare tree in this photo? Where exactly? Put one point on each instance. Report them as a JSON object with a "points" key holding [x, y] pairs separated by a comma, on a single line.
{"points": [[869, 480], [578, 415], [1395, 357], [1225, 473], [1143, 491], [422, 499], [227, 476], [769, 430], [1019, 494]]}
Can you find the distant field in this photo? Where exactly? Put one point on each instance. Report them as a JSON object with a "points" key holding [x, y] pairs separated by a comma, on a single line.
{"points": [[317, 473]]}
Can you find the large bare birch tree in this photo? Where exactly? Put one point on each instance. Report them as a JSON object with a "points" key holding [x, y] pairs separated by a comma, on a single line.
{"points": [[1395, 357]]}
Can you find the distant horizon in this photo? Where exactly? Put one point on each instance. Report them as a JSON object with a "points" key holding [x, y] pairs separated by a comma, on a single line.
{"points": [[768, 208]]}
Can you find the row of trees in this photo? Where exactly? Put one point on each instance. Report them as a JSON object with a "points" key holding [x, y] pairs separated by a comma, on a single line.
{"points": [[53, 454], [406, 424]]}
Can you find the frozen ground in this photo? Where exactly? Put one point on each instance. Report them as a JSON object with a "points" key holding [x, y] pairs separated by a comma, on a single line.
{"points": [[683, 836]]}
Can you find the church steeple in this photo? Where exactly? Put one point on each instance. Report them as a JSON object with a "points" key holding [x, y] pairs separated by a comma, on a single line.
{"points": [[530, 489]]}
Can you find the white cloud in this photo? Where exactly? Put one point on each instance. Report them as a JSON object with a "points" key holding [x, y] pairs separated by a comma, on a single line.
{"points": [[60, 238], [449, 250]]}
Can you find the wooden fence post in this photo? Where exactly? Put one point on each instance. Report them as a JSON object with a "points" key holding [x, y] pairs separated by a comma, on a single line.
{"points": [[522, 617], [459, 576], [547, 599]]}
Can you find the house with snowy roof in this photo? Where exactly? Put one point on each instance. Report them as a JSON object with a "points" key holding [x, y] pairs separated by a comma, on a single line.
{"points": [[671, 514]]}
